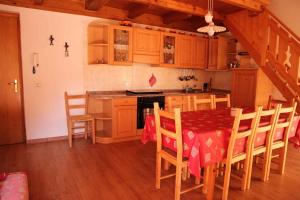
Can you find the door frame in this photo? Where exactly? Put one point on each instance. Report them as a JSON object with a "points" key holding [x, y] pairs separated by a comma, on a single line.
{"points": [[17, 15]]}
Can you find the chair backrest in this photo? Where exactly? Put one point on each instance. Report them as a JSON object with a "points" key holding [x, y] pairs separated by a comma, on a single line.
{"points": [[237, 134], [173, 102], [273, 102], [284, 121], [266, 123], [161, 131], [225, 99], [76, 104], [206, 101]]}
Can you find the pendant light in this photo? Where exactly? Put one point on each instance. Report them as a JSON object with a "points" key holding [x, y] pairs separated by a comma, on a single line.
{"points": [[211, 28]]}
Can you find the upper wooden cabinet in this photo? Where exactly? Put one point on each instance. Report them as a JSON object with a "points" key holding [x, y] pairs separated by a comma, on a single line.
{"points": [[220, 52], [146, 46], [120, 45], [185, 51], [199, 52], [169, 50], [192, 52], [212, 53]]}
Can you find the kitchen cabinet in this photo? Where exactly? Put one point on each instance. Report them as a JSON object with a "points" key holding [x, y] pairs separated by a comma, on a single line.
{"points": [[120, 45], [192, 52], [146, 46], [243, 92], [185, 51], [199, 52], [124, 117], [220, 51], [169, 49]]}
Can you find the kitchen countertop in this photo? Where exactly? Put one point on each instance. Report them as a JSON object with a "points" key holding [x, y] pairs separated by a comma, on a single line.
{"points": [[118, 94]]}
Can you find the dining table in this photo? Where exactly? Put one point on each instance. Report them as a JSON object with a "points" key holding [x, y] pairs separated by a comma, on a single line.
{"points": [[206, 135]]}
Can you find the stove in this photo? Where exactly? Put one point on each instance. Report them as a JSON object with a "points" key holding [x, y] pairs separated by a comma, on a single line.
{"points": [[141, 92]]}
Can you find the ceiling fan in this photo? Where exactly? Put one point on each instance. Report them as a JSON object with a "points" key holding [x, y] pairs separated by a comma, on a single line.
{"points": [[211, 28]]}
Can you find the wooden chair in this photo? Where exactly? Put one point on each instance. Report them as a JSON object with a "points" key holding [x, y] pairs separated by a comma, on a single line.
{"points": [[77, 117], [267, 128], [175, 158], [225, 99], [206, 101], [234, 157], [281, 144], [273, 102]]}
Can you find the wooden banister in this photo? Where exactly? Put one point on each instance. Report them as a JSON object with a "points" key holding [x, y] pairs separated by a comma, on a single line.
{"points": [[293, 34], [273, 45]]}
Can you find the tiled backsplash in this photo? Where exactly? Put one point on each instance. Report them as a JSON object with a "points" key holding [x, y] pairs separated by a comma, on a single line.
{"points": [[111, 77]]}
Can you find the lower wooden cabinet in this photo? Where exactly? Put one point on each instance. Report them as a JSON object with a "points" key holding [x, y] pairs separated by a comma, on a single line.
{"points": [[124, 117], [124, 121], [243, 91]]}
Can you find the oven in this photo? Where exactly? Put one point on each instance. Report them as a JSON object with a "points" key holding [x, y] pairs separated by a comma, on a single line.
{"points": [[145, 107]]}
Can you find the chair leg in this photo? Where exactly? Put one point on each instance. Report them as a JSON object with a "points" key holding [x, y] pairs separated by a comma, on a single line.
{"points": [[166, 165], [266, 167], [282, 159], [70, 133], [246, 174], [226, 181], [249, 174], [158, 170], [178, 181], [184, 173], [94, 131], [86, 130], [205, 180]]}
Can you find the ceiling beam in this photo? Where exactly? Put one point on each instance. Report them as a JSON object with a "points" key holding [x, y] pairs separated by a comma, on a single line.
{"points": [[178, 6], [137, 10], [95, 5], [38, 2], [253, 5], [175, 17]]}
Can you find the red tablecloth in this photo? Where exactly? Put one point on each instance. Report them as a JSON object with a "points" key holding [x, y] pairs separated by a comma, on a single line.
{"points": [[206, 135]]}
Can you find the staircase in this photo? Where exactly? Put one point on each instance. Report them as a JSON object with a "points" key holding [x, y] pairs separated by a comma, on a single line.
{"points": [[274, 47]]}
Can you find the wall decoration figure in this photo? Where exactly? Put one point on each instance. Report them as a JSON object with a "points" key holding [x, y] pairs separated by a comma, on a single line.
{"points": [[51, 38], [66, 49]]}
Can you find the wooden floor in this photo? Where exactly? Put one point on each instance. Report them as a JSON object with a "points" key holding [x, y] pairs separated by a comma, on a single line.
{"points": [[123, 171]]}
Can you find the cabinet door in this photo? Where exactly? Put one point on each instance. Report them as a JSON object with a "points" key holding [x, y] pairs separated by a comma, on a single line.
{"points": [[222, 53], [212, 53], [125, 121], [199, 53], [146, 46], [120, 45], [185, 51], [244, 87], [168, 53]]}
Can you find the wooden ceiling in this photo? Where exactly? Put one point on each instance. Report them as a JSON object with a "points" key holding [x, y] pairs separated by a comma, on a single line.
{"points": [[179, 14]]}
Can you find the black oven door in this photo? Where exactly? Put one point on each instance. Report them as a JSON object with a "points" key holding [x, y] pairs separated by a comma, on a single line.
{"points": [[145, 107]]}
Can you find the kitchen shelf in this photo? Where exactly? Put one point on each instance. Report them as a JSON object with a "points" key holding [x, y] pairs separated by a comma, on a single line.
{"points": [[98, 40]]}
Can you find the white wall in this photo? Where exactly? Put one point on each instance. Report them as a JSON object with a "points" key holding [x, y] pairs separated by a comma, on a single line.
{"points": [[44, 91], [288, 12]]}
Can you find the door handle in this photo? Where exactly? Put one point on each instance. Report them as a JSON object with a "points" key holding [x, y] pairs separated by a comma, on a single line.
{"points": [[15, 83]]}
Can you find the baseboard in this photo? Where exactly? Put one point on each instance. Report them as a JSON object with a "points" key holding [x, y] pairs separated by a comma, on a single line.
{"points": [[52, 139]]}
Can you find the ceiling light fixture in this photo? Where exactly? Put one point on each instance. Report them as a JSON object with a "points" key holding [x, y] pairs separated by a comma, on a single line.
{"points": [[211, 28]]}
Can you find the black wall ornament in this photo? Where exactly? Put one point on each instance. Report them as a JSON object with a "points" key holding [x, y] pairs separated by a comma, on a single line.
{"points": [[51, 38], [66, 49]]}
